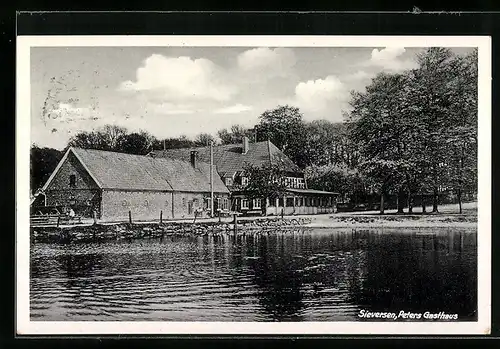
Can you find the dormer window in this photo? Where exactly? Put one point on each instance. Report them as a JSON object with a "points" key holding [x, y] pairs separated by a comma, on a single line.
{"points": [[244, 181], [72, 181], [229, 181], [301, 183]]}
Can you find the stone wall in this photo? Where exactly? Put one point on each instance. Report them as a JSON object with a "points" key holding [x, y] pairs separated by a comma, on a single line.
{"points": [[145, 205], [83, 197]]}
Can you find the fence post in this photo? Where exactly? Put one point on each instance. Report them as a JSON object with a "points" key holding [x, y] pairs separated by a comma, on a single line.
{"points": [[94, 214], [161, 216], [130, 217], [58, 220]]}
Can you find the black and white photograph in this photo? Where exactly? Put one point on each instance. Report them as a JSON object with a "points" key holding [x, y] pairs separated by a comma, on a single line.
{"points": [[253, 185]]}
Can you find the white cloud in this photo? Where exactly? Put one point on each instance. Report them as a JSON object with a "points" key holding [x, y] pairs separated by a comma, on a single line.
{"points": [[181, 78], [267, 62], [234, 109], [360, 75], [316, 94], [387, 54], [166, 108], [390, 59]]}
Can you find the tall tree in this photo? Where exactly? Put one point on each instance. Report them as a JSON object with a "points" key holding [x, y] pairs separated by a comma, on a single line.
{"points": [[329, 143], [139, 143], [89, 140], [43, 162], [431, 100], [383, 132], [104, 138], [284, 127], [264, 182], [235, 134], [204, 139], [462, 125], [349, 183], [111, 135], [174, 143]]}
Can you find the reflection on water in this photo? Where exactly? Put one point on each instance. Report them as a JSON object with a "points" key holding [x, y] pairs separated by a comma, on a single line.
{"points": [[320, 275]]}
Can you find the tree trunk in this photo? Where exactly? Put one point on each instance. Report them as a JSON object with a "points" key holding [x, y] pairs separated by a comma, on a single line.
{"points": [[423, 203], [381, 203], [435, 200], [460, 200], [410, 202], [460, 181], [400, 200]]}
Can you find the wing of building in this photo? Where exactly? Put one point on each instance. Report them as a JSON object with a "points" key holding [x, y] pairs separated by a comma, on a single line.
{"points": [[231, 160], [110, 184]]}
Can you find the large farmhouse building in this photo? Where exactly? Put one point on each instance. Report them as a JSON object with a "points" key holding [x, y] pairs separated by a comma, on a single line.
{"points": [[231, 161], [109, 185]]}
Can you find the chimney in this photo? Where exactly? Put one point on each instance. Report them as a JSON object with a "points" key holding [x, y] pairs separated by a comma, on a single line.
{"points": [[194, 158], [245, 145]]}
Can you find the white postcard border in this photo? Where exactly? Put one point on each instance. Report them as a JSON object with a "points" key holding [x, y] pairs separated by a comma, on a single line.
{"points": [[23, 117]]}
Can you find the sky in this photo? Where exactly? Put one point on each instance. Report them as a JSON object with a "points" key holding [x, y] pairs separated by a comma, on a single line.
{"points": [[174, 91]]}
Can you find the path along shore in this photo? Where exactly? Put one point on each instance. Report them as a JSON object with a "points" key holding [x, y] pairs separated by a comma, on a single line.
{"points": [[448, 216]]}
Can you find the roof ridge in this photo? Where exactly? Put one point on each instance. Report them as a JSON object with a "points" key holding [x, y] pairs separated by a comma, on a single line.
{"points": [[111, 151], [269, 152], [205, 147]]}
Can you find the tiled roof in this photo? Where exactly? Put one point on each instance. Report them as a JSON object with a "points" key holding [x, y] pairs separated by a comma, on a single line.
{"points": [[137, 172], [230, 159]]}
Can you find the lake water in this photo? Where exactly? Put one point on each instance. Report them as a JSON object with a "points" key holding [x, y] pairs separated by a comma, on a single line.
{"points": [[317, 275]]}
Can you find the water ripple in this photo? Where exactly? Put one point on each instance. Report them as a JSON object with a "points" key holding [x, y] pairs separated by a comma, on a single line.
{"points": [[314, 276]]}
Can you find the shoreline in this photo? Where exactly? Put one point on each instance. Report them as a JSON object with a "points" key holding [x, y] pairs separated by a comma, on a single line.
{"points": [[155, 230], [448, 218]]}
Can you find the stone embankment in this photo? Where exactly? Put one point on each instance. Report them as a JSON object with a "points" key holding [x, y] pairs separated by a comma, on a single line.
{"points": [[126, 231]]}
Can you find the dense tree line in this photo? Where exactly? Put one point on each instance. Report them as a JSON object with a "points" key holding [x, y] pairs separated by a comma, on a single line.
{"points": [[417, 130], [409, 134]]}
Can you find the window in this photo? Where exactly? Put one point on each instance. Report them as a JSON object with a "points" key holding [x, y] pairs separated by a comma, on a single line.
{"points": [[229, 181], [280, 202], [301, 183], [301, 202], [289, 202], [225, 204], [244, 204], [256, 203], [272, 202], [72, 181], [244, 181]]}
